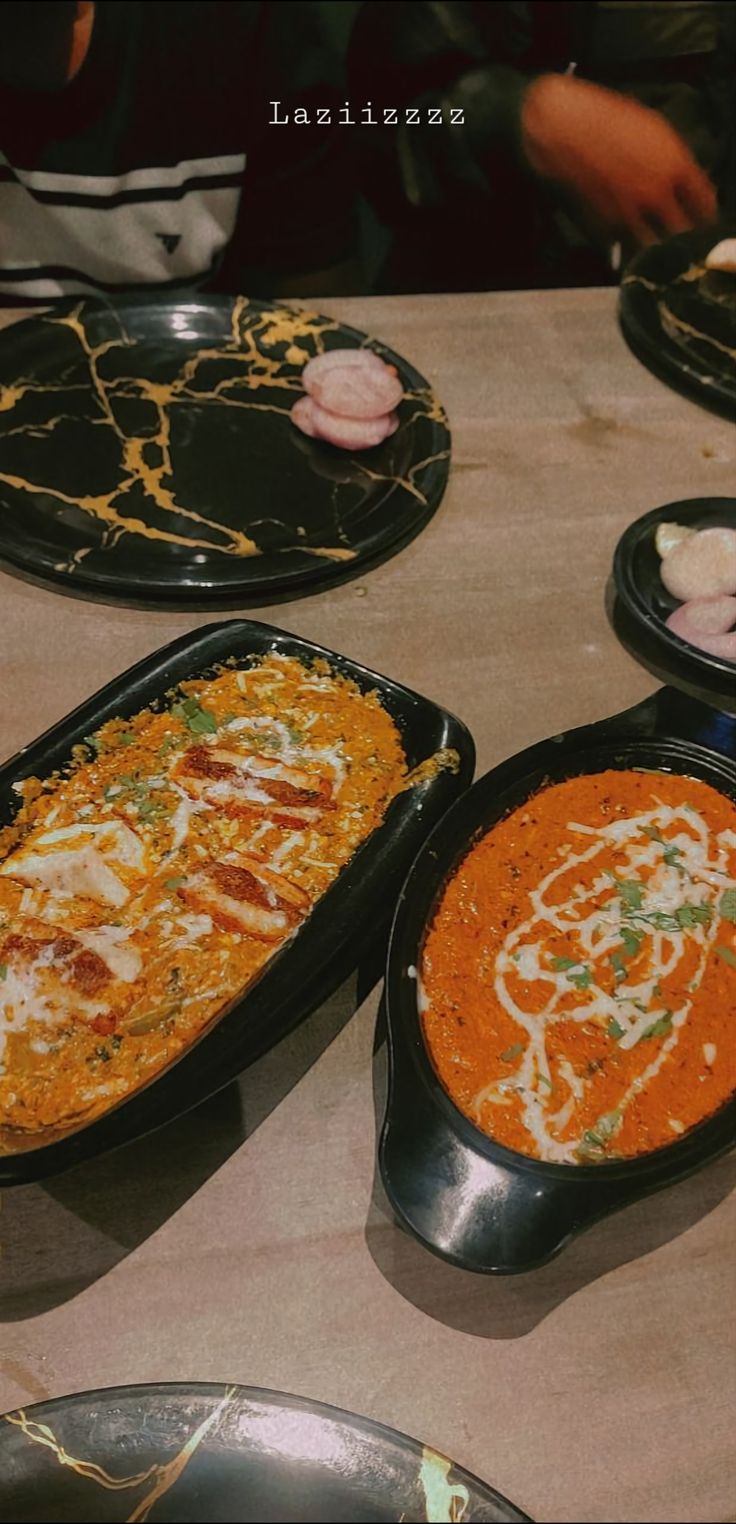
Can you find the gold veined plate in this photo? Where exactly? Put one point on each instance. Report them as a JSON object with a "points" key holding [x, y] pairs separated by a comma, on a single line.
{"points": [[147, 454], [207, 1451], [679, 318]]}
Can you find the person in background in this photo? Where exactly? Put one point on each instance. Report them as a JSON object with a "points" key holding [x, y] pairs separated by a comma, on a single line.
{"points": [[136, 150], [579, 128]]}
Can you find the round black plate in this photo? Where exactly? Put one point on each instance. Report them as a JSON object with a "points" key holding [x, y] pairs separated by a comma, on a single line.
{"points": [[208, 1452], [644, 603], [146, 454], [472, 1201], [680, 319]]}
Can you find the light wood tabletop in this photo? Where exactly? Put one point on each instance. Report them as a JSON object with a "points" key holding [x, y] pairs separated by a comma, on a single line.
{"points": [[248, 1242]]}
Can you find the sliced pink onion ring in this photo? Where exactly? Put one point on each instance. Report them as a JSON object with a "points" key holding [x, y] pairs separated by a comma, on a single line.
{"points": [[707, 624], [345, 433], [354, 391], [321, 364]]}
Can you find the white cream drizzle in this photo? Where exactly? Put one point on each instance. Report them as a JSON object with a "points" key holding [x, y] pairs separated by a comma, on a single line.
{"points": [[181, 818], [596, 915]]}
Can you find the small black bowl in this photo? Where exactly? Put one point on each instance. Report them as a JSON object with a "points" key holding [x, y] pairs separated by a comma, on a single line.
{"points": [[642, 604], [472, 1201], [347, 923]]}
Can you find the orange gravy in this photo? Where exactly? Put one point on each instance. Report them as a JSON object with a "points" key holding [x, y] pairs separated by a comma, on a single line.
{"points": [[144, 890], [578, 982]]}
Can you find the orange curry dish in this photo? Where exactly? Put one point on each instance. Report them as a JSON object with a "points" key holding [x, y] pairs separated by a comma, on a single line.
{"points": [[578, 981], [144, 890]]}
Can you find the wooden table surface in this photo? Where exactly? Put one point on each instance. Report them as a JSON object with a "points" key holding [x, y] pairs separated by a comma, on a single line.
{"points": [[249, 1243]]}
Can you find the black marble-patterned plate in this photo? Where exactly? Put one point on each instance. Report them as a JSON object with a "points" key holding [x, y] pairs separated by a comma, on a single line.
{"points": [[680, 319], [211, 1452], [147, 454]]}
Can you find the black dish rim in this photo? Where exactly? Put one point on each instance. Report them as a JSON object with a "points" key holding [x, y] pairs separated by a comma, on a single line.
{"points": [[316, 574], [330, 942], [270, 1396], [591, 1190], [710, 677]]}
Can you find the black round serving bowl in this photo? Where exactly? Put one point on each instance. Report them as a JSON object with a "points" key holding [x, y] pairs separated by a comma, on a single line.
{"points": [[641, 603], [472, 1201]]}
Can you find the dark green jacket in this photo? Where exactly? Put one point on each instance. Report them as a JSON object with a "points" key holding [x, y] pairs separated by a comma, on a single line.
{"points": [[446, 191]]}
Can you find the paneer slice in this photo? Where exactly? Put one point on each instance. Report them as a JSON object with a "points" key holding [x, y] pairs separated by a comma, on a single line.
{"points": [[246, 784], [79, 861], [246, 896]]}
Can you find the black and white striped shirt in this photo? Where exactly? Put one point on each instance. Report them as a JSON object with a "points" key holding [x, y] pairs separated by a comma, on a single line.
{"points": [[158, 167]]}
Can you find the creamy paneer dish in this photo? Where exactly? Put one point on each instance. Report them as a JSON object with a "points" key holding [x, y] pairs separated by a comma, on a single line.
{"points": [[141, 892], [578, 982]]}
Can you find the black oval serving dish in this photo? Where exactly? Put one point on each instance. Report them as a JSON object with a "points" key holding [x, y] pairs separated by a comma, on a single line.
{"points": [[473, 1202], [202, 1451], [642, 604], [343, 925]]}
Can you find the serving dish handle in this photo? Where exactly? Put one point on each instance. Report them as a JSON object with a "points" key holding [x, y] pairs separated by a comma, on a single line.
{"points": [[470, 1210]]}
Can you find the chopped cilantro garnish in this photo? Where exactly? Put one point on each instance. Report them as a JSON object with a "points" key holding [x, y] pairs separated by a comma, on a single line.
{"points": [[659, 1028], [671, 852], [127, 738], [618, 965], [96, 744], [629, 889], [659, 919], [688, 916], [138, 792], [583, 980], [545, 1080], [600, 1134], [197, 719], [727, 905], [615, 1029], [684, 918], [515, 1051], [727, 954], [632, 940]]}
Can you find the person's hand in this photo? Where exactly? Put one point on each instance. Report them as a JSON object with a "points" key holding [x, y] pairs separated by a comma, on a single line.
{"points": [[628, 166]]}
